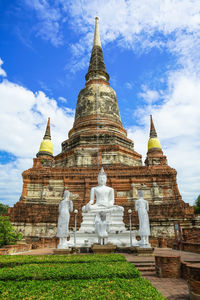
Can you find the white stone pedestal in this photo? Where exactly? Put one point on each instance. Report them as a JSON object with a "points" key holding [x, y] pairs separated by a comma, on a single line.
{"points": [[115, 219], [88, 239], [118, 235]]}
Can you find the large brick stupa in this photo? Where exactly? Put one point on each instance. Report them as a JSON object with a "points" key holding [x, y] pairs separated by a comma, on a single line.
{"points": [[97, 139]]}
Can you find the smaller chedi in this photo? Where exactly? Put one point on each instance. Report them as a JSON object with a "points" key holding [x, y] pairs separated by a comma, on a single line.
{"points": [[65, 207]]}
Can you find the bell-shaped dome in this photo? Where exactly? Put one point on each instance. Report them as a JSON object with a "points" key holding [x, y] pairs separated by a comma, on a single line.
{"points": [[46, 146], [154, 143]]}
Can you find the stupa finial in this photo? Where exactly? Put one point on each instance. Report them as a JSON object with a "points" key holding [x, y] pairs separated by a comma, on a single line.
{"points": [[47, 135], [97, 69], [153, 133], [97, 41]]}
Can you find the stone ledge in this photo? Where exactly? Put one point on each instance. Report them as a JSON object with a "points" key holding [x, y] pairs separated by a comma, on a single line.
{"points": [[144, 251], [61, 251], [108, 248], [136, 251]]}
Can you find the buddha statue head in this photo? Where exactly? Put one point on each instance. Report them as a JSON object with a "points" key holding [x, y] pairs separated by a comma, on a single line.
{"points": [[102, 177], [140, 193], [66, 194]]}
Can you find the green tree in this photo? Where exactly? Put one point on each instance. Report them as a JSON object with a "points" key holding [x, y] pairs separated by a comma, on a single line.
{"points": [[8, 234], [197, 205], [3, 209]]}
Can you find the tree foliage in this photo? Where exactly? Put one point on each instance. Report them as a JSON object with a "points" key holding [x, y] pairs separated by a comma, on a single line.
{"points": [[3, 209], [8, 234], [197, 205]]}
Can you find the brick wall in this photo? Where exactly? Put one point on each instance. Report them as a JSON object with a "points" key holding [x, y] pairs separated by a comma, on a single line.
{"points": [[191, 235], [29, 245], [168, 266], [191, 239]]}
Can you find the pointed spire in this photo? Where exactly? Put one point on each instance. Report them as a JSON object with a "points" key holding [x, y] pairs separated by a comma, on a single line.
{"points": [[46, 146], [153, 133], [153, 142], [97, 41], [154, 154], [47, 135], [97, 69]]}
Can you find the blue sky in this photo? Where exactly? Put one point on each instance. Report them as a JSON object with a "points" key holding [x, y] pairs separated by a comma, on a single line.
{"points": [[151, 51]]}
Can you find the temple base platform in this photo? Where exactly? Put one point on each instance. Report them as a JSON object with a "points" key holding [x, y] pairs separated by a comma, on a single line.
{"points": [[103, 249], [61, 251]]}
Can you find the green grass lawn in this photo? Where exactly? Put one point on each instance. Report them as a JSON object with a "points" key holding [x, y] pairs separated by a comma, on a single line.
{"points": [[72, 277]]}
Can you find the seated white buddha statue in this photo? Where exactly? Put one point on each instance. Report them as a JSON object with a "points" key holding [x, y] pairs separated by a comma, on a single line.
{"points": [[104, 197]]}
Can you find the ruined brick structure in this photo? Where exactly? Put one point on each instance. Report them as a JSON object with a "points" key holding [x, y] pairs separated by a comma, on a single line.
{"points": [[98, 139]]}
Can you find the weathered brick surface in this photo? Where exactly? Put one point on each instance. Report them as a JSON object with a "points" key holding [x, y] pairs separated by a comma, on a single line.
{"points": [[43, 243], [162, 242], [168, 266], [4, 251], [191, 247], [184, 270], [33, 213], [194, 278], [195, 286], [191, 239], [191, 235], [29, 245], [80, 180], [12, 249], [191, 272], [194, 271]]}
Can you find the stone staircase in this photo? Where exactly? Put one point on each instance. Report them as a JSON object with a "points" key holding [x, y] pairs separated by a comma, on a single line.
{"points": [[146, 268]]}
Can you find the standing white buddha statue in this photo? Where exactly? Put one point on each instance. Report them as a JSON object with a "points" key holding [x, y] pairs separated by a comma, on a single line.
{"points": [[65, 207], [142, 207]]}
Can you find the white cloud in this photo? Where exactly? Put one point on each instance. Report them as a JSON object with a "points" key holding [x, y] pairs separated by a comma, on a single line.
{"points": [[129, 85], [149, 96], [11, 180], [23, 121], [32, 110], [62, 99], [50, 20], [178, 127], [140, 25], [2, 72]]}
